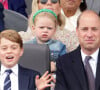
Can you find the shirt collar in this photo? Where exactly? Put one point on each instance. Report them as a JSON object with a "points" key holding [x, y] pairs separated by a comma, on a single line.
{"points": [[14, 69], [94, 55]]}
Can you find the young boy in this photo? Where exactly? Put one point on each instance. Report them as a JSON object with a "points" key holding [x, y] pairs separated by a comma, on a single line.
{"points": [[19, 78], [44, 26]]}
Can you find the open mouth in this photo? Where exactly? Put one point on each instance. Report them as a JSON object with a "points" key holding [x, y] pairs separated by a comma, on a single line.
{"points": [[9, 57]]}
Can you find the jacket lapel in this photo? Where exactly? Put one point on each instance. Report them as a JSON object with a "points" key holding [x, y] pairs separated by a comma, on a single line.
{"points": [[78, 69], [97, 81], [23, 79]]}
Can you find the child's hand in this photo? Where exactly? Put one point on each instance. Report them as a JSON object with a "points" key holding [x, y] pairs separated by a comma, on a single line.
{"points": [[44, 81]]}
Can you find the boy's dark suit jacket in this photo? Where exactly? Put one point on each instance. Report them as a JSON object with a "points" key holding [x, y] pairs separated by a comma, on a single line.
{"points": [[71, 74], [18, 6], [27, 78]]}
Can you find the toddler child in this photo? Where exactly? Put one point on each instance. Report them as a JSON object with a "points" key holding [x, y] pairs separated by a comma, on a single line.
{"points": [[44, 27]]}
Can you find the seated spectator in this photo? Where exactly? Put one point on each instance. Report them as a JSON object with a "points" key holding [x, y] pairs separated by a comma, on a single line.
{"points": [[20, 78], [44, 26], [1, 17], [15, 5]]}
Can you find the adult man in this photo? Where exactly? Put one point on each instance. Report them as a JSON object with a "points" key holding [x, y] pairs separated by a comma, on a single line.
{"points": [[71, 72], [12, 75]]}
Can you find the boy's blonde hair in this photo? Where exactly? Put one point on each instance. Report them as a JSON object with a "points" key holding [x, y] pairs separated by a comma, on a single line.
{"points": [[11, 35]]}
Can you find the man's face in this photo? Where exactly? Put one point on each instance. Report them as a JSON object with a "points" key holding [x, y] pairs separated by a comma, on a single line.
{"points": [[89, 32], [70, 4], [10, 52]]}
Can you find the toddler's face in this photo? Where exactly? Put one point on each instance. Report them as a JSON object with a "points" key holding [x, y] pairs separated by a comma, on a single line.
{"points": [[44, 29]]}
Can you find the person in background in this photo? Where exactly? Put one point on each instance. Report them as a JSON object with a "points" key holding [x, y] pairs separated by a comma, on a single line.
{"points": [[93, 5], [2, 27], [74, 70], [15, 5], [44, 26], [18, 77]]}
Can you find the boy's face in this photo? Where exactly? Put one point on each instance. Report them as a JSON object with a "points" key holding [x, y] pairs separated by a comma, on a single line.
{"points": [[44, 29], [10, 52]]}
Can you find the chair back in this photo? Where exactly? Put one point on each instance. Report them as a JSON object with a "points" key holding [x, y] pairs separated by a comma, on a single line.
{"points": [[14, 20], [36, 57]]}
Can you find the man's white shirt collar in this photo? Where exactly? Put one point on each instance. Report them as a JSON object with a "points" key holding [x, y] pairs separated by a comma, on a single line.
{"points": [[94, 55]]}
